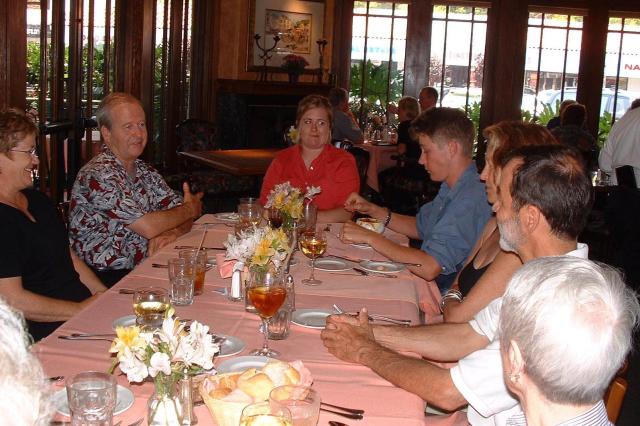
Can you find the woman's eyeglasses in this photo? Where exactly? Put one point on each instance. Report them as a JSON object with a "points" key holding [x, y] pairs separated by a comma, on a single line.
{"points": [[33, 151]]}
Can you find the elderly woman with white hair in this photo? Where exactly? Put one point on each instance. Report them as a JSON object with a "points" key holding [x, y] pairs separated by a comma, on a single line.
{"points": [[565, 329], [23, 385]]}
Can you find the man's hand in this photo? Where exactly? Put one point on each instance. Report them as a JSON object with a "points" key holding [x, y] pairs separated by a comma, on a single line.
{"points": [[349, 339], [353, 233], [160, 241], [192, 201]]}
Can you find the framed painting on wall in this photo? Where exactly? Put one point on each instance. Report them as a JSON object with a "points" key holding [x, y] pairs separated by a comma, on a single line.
{"points": [[298, 23]]}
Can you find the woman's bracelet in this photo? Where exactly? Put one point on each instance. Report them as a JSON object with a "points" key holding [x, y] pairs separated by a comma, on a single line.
{"points": [[388, 218], [450, 295]]}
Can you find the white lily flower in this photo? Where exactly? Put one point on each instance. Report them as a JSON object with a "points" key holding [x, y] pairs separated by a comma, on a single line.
{"points": [[159, 362], [134, 368]]}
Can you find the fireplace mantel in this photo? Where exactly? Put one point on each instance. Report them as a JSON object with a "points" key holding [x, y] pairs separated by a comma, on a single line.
{"points": [[267, 88]]}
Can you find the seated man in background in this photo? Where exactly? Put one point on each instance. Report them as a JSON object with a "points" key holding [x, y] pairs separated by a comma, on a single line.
{"points": [[544, 198], [622, 147], [23, 385], [450, 224], [121, 209], [428, 98], [566, 327], [344, 123]]}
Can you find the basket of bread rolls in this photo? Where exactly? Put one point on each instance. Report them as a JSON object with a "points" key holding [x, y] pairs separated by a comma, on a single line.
{"points": [[227, 394]]}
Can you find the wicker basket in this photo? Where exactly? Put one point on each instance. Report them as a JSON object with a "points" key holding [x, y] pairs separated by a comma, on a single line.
{"points": [[225, 413]]}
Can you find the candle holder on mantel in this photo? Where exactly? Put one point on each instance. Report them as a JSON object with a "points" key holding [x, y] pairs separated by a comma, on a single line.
{"points": [[265, 55], [322, 43]]}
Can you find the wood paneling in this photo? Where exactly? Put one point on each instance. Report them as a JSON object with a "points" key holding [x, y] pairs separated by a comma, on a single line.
{"points": [[13, 53]]}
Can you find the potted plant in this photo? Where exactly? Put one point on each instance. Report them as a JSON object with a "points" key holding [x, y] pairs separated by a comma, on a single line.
{"points": [[294, 64]]}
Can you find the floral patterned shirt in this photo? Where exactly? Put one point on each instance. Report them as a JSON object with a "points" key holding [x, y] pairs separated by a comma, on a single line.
{"points": [[105, 200]]}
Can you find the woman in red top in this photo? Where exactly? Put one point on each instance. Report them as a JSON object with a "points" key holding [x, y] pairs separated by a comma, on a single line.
{"points": [[315, 162]]}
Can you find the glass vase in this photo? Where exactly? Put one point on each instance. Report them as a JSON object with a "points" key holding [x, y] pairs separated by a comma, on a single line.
{"points": [[165, 405]]}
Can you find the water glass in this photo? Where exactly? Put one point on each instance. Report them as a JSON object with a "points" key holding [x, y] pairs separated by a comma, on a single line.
{"points": [[279, 324], [181, 278], [264, 413], [250, 211], [310, 216], [303, 403], [197, 259], [92, 398]]}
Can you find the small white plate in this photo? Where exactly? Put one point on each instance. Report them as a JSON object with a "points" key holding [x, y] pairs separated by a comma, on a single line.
{"points": [[331, 264], [231, 346], [311, 318], [125, 321], [242, 363], [227, 217], [381, 267], [124, 401], [211, 262]]}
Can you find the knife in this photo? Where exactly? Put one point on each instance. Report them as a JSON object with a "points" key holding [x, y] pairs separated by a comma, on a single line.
{"points": [[367, 260], [374, 274], [194, 247]]}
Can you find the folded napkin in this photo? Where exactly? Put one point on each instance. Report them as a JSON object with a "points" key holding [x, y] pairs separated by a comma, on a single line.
{"points": [[225, 267]]}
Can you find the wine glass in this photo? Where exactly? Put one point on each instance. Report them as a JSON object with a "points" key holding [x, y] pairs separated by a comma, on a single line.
{"points": [[275, 217], [313, 243], [265, 413], [250, 211], [267, 295], [150, 305]]}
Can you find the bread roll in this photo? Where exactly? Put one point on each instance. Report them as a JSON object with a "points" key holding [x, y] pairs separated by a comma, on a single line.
{"points": [[257, 386], [219, 393], [281, 373]]}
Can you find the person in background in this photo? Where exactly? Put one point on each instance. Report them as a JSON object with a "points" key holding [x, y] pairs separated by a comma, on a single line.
{"points": [[555, 121], [428, 98], [566, 326], [344, 124], [121, 208], [24, 388], [571, 133], [39, 274], [488, 269], [313, 161], [622, 147], [635, 104], [450, 224]]}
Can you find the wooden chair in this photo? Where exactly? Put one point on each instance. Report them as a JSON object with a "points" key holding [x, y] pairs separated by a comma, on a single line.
{"points": [[615, 394]]}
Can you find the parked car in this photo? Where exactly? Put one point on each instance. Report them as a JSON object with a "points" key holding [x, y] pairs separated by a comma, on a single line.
{"points": [[624, 99]]}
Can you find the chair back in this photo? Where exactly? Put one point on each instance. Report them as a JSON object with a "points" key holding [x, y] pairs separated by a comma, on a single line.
{"points": [[362, 164], [196, 135], [614, 397]]}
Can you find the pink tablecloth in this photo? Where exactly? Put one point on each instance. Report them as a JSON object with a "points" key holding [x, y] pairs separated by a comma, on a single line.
{"points": [[338, 382], [379, 160]]}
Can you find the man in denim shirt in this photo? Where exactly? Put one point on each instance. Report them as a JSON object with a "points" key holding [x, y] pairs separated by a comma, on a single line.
{"points": [[451, 223]]}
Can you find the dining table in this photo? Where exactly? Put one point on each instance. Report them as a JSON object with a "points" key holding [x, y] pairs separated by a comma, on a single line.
{"points": [[380, 158], [239, 162], [337, 382]]}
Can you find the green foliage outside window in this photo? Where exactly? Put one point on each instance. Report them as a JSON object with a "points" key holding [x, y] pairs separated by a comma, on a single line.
{"points": [[375, 96]]}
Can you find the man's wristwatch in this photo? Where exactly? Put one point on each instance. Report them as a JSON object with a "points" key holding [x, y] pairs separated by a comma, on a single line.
{"points": [[388, 218]]}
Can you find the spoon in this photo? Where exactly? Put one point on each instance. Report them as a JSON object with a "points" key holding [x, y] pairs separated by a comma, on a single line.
{"points": [[334, 423]]}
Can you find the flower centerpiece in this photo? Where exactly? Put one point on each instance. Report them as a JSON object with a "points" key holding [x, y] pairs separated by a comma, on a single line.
{"points": [[289, 200], [165, 355], [258, 248], [294, 65]]}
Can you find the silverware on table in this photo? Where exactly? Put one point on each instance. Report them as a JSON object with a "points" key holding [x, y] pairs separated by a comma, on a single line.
{"points": [[159, 265], [55, 378], [79, 336], [334, 423], [349, 410], [343, 414], [349, 259], [126, 291], [195, 247], [374, 274], [376, 317]]}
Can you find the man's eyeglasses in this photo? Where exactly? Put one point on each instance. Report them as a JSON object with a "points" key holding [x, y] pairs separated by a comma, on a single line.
{"points": [[33, 151]]}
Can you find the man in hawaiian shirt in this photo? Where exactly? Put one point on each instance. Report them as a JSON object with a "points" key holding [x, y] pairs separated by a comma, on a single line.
{"points": [[121, 209]]}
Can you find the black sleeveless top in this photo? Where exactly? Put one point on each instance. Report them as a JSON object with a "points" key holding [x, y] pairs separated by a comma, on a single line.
{"points": [[469, 276]]}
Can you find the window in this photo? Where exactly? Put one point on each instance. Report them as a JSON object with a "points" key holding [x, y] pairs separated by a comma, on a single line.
{"points": [[621, 70], [456, 65], [552, 63], [377, 56]]}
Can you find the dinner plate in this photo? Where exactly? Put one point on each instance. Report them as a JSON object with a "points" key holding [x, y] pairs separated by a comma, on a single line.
{"points": [[311, 318], [123, 402], [125, 321], [331, 264], [241, 363], [227, 217], [211, 261], [381, 267], [231, 346]]}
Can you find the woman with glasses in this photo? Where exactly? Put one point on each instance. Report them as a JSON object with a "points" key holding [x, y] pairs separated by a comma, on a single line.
{"points": [[313, 161], [39, 274]]}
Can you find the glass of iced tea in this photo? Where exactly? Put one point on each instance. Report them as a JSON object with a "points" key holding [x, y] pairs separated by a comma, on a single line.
{"points": [[197, 260], [267, 295], [313, 244], [150, 305]]}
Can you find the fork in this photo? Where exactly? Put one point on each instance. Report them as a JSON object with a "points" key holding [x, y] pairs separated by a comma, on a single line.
{"points": [[374, 317], [137, 422]]}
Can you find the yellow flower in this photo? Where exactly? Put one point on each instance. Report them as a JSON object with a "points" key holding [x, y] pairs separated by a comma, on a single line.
{"points": [[127, 337], [263, 252], [278, 200]]}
